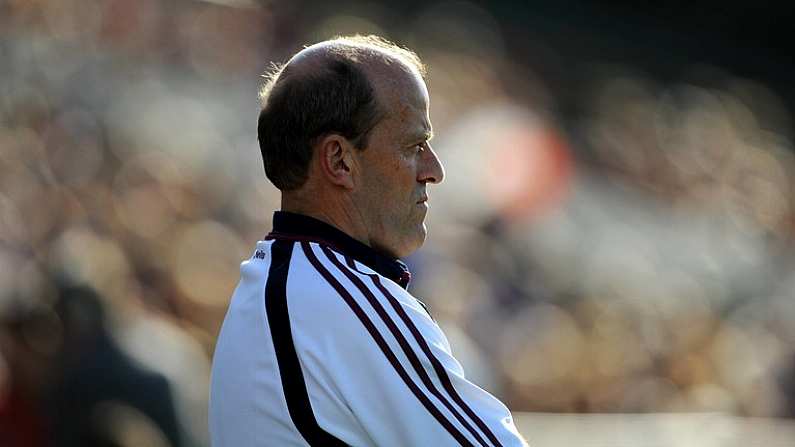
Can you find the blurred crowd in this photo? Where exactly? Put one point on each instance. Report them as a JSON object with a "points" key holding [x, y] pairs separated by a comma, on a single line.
{"points": [[632, 255]]}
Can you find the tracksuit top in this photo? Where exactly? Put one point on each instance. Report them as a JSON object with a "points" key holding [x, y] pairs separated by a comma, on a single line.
{"points": [[322, 345]]}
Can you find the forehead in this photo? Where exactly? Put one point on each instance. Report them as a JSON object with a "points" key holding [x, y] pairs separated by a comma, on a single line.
{"points": [[404, 96]]}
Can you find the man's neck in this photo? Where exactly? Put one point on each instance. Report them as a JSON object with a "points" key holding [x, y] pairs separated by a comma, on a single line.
{"points": [[328, 210]]}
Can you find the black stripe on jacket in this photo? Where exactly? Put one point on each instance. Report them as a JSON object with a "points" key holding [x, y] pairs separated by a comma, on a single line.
{"points": [[293, 384]]}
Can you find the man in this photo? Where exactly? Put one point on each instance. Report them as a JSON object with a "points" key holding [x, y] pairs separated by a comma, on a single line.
{"points": [[322, 344]]}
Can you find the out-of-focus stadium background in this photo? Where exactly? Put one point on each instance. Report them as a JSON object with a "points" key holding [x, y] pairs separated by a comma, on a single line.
{"points": [[611, 253]]}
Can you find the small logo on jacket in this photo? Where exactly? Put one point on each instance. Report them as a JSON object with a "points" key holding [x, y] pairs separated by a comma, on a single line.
{"points": [[259, 254]]}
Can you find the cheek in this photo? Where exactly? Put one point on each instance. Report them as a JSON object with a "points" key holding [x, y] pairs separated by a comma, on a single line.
{"points": [[396, 177], [391, 181]]}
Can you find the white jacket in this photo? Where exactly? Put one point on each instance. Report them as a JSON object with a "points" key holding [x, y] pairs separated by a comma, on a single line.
{"points": [[318, 348]]}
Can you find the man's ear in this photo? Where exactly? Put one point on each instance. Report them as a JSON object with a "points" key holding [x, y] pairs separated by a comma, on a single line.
{"points": [[335, 156]]}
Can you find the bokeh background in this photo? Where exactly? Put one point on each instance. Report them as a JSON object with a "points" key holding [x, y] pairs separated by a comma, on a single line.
{"points": [[611, 253]]}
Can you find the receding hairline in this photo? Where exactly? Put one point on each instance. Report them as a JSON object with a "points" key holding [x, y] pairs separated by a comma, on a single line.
{"points": [[374, 53], [364, 49]]}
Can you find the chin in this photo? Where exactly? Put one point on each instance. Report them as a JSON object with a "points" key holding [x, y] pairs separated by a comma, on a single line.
{"points": [[416, 241], [408, 240], [423, 234]]}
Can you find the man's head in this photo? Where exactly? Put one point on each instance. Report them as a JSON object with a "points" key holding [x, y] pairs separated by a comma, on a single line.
{"points": [[344, 135]]}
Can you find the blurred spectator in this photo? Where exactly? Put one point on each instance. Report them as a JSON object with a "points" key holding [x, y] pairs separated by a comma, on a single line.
{"points": [[69, 384], [95, 374]]}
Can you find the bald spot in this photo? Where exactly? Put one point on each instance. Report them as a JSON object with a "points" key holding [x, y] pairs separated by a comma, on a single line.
{"points": [[390, 76]]}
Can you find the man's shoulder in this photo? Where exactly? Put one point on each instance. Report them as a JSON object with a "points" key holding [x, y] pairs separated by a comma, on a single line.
{"points": [[318, 265], [351, 288], [313, 280]]}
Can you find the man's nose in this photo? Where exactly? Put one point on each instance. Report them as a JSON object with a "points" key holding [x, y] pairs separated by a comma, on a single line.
{"points": [[432, 170]]}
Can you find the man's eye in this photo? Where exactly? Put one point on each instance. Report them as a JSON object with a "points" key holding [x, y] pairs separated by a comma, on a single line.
{"points": [[420, 147]]}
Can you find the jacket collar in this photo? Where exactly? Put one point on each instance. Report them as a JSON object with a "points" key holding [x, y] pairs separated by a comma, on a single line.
{"points": [[298, 227]]}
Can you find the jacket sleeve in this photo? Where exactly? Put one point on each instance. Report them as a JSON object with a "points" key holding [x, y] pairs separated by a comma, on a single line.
{"points": [[390, 366]]}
